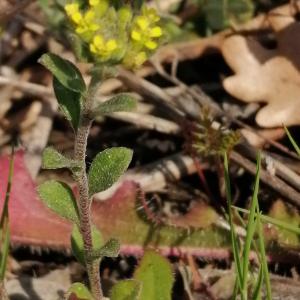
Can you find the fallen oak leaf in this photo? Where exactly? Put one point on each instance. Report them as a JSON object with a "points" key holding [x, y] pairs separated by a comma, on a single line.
{"points": [[271, 76]]}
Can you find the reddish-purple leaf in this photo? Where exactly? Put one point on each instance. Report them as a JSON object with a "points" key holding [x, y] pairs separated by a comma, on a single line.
{"points": [[35, 225], [31, 222]]}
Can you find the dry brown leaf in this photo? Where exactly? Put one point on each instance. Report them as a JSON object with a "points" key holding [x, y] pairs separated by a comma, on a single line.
{"points": [[271, 76], [259, 139]]}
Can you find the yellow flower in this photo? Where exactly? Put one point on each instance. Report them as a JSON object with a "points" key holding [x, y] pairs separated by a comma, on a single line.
{"points": [[135, 35], [145, 30], [71, 8], [156, 32], [117, 36], [103, 49], [134, 60], [151, 14], [142, 22], [140, 59], [151, 45], [73, 12]]}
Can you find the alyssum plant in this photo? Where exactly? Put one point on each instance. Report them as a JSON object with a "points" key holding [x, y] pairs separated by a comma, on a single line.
{"points": [[110, 34]]}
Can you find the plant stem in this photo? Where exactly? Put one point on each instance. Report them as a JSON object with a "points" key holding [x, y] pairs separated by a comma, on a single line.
{"points": [[85, 202]]}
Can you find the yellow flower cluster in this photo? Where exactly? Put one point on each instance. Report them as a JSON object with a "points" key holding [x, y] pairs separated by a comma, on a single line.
{"points": [[116, 36]]}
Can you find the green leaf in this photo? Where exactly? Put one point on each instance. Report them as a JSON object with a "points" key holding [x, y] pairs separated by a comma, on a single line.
{"points": [[263, 258], [126, 290], [110, 249], [77, 242], [156, 277], [69, 102], [234, 239], [80, 291], [251, 226], [290, 224], [121, 102], [80, 48], [223, 13], [59, 197], [107, 167], [52, 159], [258, 285], [64, 71]]}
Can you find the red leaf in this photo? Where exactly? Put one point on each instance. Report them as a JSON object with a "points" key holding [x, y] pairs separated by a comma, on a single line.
{"points": [[31, 222], [35, 225]]}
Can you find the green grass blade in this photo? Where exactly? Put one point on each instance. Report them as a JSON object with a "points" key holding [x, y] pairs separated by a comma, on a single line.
{"points": [[251, 226], [257, 289], [4, 221], [270, 220], [264, 263], [5, 237], [234, 240], [295, 145]]}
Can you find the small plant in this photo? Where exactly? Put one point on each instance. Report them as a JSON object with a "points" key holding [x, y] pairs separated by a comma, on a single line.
{"points": [[254, 238], [210, 139], [241, 255], [110, 34]]}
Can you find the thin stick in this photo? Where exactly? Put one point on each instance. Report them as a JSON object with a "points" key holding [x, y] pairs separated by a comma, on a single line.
{"points": [[277, 184]]}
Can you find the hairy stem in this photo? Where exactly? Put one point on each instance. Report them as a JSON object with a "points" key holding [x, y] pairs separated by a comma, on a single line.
{"points": [[84, 200]]}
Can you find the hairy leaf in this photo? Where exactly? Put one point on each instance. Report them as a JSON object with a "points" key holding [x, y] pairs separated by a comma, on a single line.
{"points": [[64, 71], [79, 291], [59, 197], [69, 102], [77, 242], [110, 249], [126, 290], [107, 167], [156, 277], [121, 102], [52, 159]]}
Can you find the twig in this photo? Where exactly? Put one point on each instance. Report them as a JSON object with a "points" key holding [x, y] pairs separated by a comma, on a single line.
{"points": [[284, 172], [148, 122], [153, 92], [3, 294], [277, 184], [7, 13], [28, 87], [158, 96], [205, 100]]}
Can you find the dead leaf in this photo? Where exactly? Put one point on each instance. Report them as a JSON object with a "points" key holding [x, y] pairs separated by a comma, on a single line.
{"points": [[260, 139], [271, 76]]}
